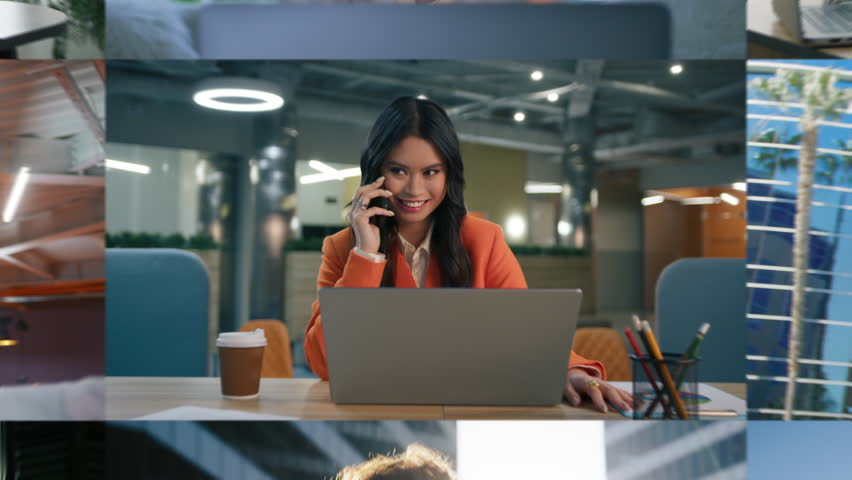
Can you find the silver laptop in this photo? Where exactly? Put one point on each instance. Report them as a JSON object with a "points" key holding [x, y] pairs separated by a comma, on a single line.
{"points": [[829, 24], [448, 346], [611, 30]]}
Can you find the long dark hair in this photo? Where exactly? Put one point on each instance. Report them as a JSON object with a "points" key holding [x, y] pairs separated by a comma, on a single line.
{"points": [[407, 117]]}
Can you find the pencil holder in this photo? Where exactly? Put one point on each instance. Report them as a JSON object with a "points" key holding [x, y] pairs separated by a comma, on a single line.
{"points": [[654, 381]]}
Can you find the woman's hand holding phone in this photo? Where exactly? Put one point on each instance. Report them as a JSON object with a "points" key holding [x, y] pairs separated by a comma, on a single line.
{"points": [[366, 233]]}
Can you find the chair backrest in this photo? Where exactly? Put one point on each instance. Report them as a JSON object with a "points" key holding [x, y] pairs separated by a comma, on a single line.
{"points": [[692, 291], [156, 313], [570, 30], [606, 346], [277, 357]]}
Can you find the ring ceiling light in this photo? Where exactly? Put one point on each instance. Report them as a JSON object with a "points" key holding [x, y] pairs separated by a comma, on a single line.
{"points": [[238, 94]]}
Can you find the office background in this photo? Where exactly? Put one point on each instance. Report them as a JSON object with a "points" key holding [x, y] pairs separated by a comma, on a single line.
{"points": [[598, 192]]}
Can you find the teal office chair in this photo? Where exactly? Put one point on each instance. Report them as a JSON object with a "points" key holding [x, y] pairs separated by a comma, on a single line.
{"points": [[692, 291], [156, 313]]}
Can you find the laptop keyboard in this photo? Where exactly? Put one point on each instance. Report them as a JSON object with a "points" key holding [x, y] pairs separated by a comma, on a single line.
{"points": [[828, 20]]}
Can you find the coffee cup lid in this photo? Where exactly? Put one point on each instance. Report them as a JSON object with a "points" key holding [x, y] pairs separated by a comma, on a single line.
{"points": [[242, 339]]}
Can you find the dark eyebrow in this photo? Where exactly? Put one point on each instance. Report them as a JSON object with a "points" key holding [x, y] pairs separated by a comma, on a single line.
{"points": [[391, 163]]}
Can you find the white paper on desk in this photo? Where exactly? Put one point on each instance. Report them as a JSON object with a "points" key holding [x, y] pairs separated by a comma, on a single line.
{"points": [[200, 413], [719, 399]]}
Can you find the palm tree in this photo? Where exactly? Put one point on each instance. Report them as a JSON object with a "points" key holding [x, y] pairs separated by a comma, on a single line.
{"points": [[817, 91]]}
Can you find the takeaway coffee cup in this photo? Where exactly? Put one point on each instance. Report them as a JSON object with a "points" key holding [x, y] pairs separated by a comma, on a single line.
{"points": [[240, 359]]}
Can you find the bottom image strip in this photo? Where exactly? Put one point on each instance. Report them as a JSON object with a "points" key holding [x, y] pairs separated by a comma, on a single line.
{"points": [[374, 450]]}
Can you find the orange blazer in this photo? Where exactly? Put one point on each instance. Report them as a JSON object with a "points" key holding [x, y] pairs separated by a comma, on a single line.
{"points": [[492, 263]]}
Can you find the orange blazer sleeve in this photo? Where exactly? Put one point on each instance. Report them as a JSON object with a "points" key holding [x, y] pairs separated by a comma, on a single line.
{"points": [[504, 271], [339, 268]]}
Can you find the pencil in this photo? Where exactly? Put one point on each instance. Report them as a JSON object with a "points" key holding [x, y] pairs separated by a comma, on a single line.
{"points": [[668, 383], [647, 370], [690, 354]]}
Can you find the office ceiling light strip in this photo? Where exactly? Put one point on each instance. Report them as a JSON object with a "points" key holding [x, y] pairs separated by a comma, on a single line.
{"points": [[812, 381], [782, 318], [802, 413], [14, 199], [808, 361]]}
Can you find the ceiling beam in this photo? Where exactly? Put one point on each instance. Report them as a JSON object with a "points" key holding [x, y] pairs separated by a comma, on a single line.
{"points": [[80, 102], [583, 98], [25, 266], [435, 87], [666, 144], [651, 93], [473, 131], [512, 100]]}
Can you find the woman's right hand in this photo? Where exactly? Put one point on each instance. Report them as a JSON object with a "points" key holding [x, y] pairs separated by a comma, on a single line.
{"points": [[366, 234]]}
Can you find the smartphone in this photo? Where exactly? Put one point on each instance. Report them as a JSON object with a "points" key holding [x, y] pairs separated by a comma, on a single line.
{"points": [[379, 220]]}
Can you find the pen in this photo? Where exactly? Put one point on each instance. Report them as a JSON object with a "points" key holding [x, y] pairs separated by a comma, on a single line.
{"points": [[668, 383], [647, 370]]}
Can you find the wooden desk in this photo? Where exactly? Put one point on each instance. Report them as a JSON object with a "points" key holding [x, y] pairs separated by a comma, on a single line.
{"points": [[21, 23], [131, 397], [768, 38]]}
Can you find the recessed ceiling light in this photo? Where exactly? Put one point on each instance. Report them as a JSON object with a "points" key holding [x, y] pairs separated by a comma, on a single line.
{"points": [[237, 94], [537, 75], [520, 117], [552, 97], [676, 69]]}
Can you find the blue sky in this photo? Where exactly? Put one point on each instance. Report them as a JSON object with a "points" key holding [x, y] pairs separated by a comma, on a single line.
{"points": [[799, 450]]}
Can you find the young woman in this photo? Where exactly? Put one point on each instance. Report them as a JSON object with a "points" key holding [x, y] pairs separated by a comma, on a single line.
{"points": [[421, 236]]}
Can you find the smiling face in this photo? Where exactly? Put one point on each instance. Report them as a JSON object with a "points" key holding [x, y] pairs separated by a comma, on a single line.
{"points": [[416, 175]]}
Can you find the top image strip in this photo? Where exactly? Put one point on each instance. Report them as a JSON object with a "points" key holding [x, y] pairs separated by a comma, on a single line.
{"points": [[799, 29], [438, 29]]}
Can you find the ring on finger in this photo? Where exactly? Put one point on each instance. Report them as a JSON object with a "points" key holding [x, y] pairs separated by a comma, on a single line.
{"points": [[361, 205], [593, 384]]}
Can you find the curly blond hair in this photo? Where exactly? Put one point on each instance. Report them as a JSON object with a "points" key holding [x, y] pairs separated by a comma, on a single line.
{"points": [[416, 463]]}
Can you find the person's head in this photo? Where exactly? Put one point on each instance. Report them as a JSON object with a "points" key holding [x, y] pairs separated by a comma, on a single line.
{"points": [[416, 463], [414, 146]]}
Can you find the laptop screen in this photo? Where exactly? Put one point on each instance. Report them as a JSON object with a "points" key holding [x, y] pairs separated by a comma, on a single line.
{"points": [[524, 32]]}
